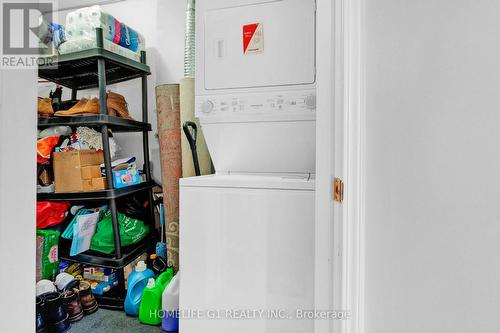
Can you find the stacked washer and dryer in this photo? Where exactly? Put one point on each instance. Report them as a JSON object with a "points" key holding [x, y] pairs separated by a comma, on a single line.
{"points": [[247, 232]]}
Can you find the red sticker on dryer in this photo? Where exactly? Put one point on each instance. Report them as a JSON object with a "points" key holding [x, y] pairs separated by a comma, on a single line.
{"points": [[253, 38]]}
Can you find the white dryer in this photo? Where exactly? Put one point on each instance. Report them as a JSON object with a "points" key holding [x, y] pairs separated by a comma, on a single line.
{"points": [[256, 84]]}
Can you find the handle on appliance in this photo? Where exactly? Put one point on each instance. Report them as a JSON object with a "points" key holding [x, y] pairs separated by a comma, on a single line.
{"points": [[220, 48], [191, 131]]}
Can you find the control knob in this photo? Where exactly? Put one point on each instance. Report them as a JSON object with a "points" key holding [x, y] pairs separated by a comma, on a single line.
{"points": [[207, 106], [310, 101]]}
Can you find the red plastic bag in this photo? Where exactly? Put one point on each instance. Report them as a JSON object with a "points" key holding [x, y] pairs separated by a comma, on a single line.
{"points": [[44, 148], [49, 213]]}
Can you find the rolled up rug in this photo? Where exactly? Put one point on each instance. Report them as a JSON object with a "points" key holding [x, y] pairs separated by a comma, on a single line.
{"points": [[169, 133]]}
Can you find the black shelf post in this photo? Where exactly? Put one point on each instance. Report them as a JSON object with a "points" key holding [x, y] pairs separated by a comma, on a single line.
{"points": [[145, 140], [103, 107]]}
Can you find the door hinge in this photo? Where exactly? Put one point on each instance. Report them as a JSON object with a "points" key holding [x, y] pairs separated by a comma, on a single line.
{"points": [[338, 190]]}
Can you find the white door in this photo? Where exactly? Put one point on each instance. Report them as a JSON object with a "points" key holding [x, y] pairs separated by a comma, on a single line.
{"points": [[246, 249], [432, 166]]}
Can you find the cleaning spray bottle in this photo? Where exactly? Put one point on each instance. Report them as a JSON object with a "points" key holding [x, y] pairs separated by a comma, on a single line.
{"points": [[170, 305], [137, 281], [150, 309]]}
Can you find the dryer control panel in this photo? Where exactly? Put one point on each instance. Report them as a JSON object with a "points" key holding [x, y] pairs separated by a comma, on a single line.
{"points": [[288, 103]]}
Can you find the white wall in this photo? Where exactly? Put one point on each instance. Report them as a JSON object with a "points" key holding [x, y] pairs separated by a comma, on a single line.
{"points": [[17, 199], [433, 180]]}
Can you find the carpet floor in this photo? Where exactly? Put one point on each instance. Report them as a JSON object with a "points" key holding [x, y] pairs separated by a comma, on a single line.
{"points": [[107, 321]]}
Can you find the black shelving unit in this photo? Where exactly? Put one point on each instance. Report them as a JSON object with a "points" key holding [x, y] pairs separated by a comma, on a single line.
{"points": [[93, 258], [114, 123], [96, 195], [95, 68]]}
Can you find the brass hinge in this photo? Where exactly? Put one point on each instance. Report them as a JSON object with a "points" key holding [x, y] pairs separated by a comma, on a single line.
{"points": [[338, 190]]}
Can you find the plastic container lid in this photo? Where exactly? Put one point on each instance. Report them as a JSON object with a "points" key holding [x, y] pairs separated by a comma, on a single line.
{"points": [[140, 267], [152, 256], [151, 283]]}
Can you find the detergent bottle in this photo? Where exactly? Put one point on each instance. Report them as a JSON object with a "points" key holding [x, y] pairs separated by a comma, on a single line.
{"points": [[170, 305], [150, 309], [137, 281]]}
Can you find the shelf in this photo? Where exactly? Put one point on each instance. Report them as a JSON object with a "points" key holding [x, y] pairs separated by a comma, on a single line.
{"points": [[112, 300], [129, 254], [98, 195], [117, 124], [78, 70]]}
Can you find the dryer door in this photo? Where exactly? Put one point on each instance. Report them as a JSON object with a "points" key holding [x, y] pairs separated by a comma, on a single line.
{"points": [[260, 45]]}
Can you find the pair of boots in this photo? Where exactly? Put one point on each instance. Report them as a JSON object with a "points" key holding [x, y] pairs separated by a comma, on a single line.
{"points": [[87, 299], [117, 106], [50, 315], [55, 311], [79, 301]]}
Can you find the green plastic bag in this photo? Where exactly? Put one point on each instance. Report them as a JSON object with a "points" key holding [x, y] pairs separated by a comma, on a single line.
{"points": [[47, 258], [131, 232]]}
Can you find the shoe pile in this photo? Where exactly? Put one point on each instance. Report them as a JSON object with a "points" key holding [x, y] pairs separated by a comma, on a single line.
{"points": [[57, 309], [117, 106]]}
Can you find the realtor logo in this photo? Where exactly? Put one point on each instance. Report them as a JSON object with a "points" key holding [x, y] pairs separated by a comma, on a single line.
{"points": [[22, 25]]}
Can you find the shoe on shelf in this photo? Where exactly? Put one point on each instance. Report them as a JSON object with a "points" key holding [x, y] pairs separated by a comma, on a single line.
{"points": [[45, 107], [117, 105], [84, 106]]}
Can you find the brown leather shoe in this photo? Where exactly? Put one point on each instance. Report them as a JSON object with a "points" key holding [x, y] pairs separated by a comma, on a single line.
{"points": [[89, 304], [117, 105], [83, 106], [45, 107], [71, 303]]}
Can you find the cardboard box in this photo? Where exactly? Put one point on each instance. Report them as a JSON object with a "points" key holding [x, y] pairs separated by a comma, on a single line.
{"points": [[86, 185], [91, 171], [99, 184], [67, 169], [94, 184]]}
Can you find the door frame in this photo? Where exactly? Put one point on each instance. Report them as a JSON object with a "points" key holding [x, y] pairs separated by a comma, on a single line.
{"points": [[340, 151]]}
